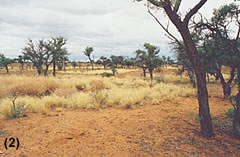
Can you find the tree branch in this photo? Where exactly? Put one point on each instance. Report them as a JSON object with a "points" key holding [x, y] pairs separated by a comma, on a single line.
{"points": [[165, 29], [193, 11]]}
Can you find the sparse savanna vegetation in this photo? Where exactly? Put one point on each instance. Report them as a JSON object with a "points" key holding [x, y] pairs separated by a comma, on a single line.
{"points": [[128, 100], [144, 104], [87, 92]]}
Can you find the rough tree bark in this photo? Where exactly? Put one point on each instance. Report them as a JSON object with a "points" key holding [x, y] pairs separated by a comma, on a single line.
{"points": [[226, 85], [236, 116], [182, 26]]}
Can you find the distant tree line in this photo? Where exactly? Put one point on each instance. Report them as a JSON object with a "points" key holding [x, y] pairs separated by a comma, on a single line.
{"points": [[43, 53]]}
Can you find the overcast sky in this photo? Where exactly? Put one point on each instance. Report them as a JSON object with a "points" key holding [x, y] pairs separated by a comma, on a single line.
{"points": [[117, 27]]}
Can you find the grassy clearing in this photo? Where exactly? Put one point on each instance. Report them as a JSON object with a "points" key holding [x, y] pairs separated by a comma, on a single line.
{"points": [[42, 94]]}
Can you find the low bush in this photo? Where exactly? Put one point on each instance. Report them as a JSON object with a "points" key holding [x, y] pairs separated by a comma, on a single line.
{"points": [[106, 74], [230, 112]]}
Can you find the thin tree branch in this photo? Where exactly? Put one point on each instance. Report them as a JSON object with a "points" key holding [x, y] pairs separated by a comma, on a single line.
{"points": [[165, 29], [193, 11]]}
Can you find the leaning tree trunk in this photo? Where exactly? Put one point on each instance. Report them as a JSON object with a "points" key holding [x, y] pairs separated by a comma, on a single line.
{"points": [[204, 110], [236, 116], [91, 62], [226, 85], [7, 69], [182, 26]]}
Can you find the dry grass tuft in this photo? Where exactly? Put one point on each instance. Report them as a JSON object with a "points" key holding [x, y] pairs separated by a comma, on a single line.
{"points": [[97, 85], [32, 86]]}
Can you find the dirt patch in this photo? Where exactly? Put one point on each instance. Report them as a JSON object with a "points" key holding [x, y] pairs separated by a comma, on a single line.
{"points": [[149, 130]]}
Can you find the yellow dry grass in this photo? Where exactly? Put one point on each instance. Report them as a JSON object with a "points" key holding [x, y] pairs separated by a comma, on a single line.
{"points": [[46, 93], [95, 72]]}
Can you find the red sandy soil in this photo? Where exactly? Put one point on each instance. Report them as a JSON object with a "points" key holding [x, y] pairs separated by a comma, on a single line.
{"points": [[166, 129]]}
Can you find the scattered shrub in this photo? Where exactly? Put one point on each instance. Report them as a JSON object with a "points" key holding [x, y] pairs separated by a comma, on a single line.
{"points": [[80, 87], [79, 100], [18, 110], [97, 85], [53, 101], [230, 112], [12, 109], [106, 74], [100, 99]]}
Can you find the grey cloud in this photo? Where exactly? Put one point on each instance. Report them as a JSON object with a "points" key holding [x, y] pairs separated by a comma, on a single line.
{"points": [[110, 26]]}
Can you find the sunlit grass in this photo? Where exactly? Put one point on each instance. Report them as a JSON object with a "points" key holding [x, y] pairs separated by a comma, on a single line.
{"points": [[48, 93]]}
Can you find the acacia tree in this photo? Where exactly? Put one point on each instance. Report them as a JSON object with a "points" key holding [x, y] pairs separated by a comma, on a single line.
{"points": [[36, 53], [218, 43], [129, 62], [117, 60], [87, 52], [113, 64], [44, 53], [148, 59], [216, 55], [58, 51], [104, 61], [4, 62], [171, 8], [219, 26], [141, 57]]}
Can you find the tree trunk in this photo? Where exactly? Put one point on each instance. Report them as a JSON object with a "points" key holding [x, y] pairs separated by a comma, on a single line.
{"points": [[226, 85], [46, 70], [22, 66], [236, 116], [54, 68], [182, 26], [144, 72], [151, 73], [92, 65], [192, 77], [91, 62], [208, 79], [7, 69], [204, 110], [216, 77], [39, 70], [64, 66]]}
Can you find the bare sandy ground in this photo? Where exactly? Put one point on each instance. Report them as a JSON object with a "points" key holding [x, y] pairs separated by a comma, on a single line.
{"points": [[167, 129]]}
